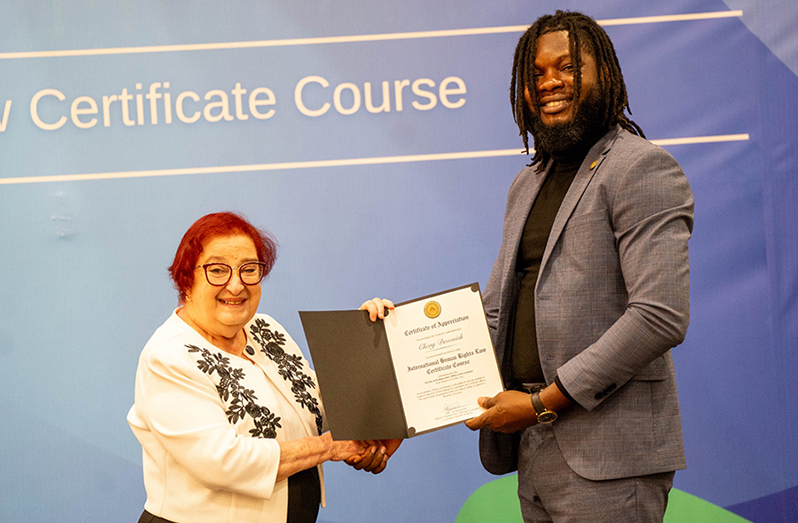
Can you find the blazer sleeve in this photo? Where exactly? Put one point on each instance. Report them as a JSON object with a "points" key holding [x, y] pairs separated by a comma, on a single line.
{"points": [[651, 212], [180, 406]]}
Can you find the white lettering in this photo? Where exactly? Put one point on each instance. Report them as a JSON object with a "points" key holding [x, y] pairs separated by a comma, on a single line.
{"points": [[153, 97], [254, 103], [417, 90], [76, 112], [445, 92], [4, 120], [181, 115], [167, 104], [298, 96], [139, 106], [424, 95], [398, 86], [386, 98], [222, 105], [355, 96], [107, 100], [125, 98], [237, 92], [34, 109], [314, 96]]}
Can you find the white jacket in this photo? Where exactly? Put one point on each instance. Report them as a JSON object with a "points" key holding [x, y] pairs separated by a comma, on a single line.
{"points": [[209, 422]]}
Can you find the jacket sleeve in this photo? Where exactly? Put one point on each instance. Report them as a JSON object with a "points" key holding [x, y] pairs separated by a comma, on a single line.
{"points": [[651, 213]]}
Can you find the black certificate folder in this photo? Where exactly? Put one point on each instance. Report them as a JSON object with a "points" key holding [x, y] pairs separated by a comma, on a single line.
{"points": [[353, 365], [419, 370]]}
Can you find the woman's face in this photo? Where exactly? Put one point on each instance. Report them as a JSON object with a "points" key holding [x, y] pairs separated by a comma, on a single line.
{"points": [[223, 310]]}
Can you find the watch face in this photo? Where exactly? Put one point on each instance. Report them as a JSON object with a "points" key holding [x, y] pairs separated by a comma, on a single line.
{"points": [[547, 416]]}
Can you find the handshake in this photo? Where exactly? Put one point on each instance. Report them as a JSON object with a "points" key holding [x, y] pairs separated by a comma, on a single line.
{"points": [[370, 455]]}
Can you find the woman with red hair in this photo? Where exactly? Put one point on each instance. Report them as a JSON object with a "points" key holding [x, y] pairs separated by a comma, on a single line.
{"points": [[226, 408]]}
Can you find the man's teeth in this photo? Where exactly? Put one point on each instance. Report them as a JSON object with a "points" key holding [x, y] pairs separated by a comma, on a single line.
{"points": [[558, 103]]}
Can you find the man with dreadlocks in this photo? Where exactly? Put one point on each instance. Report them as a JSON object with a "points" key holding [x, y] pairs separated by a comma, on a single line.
{"points": [[589, 293]]}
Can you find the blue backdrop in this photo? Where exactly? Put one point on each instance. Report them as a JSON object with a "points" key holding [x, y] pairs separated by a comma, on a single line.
{"points": [[375, 140]]}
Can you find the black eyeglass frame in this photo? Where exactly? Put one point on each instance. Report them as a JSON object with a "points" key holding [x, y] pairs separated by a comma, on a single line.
{"points": [[205, 266]]}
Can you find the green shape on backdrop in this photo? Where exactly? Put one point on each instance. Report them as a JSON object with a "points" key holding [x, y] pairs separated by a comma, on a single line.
{"points": [[686, 508], [497, 502]]}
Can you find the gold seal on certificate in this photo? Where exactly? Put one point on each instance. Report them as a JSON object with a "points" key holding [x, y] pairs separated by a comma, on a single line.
{"points": [[420, 369], [432, 309]]}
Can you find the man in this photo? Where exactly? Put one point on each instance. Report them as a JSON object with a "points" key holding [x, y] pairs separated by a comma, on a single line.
{"points": [[589, 292]]}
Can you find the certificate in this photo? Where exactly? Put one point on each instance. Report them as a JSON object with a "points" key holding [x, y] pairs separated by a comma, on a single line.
{"points": [[421, 369]]}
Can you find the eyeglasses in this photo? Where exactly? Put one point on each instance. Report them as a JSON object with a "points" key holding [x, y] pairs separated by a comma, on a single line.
{"points": [[219, 274]]}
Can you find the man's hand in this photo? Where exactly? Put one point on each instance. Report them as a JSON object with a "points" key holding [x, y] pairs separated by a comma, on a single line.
{"points": [[508, 411]]}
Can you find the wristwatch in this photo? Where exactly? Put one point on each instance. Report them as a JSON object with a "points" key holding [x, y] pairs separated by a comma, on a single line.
{"points": [[544, 415]]}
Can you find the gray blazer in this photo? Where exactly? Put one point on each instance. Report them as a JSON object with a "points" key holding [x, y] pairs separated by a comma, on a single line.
{"points": [[612, 299]]}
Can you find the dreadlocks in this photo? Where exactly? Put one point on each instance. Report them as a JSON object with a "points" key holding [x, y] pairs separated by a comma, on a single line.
{"points": [[583, 33]]}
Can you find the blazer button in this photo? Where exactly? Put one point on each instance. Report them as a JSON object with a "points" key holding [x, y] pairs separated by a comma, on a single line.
{"points": [[604, 393]]}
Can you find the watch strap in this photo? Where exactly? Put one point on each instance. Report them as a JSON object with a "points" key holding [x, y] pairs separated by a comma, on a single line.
{"points": [[544, 415]]}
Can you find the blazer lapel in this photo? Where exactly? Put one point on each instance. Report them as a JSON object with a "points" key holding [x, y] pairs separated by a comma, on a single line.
{"points": [[587, 170]]}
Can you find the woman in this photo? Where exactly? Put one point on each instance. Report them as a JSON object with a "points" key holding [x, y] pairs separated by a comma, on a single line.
{"points": [[226, 409]]}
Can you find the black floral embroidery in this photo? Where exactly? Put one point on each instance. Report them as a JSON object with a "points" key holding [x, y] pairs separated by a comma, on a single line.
{"points": [[289, 366], [243, 399]]}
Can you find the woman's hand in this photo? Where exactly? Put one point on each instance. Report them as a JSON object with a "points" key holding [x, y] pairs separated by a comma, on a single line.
{"points": [[301, 454], [345, 449], [377, 308], [376, 457]]}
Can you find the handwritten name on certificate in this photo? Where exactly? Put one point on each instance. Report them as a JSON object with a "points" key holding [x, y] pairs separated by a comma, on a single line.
{"points": [[443, 358]]}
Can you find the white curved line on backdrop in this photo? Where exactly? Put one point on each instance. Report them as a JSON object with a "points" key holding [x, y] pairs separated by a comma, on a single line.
{"points": [[347, 162], [350, 39]]}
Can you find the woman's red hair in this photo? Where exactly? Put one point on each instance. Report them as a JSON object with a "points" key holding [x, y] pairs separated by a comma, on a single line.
{"points": [[213, 226]]}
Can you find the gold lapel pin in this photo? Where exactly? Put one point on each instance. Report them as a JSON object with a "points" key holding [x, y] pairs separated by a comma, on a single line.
{"points": [[592, 165]]}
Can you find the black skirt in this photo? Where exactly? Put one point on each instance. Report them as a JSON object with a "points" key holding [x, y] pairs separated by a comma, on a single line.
{"points": [[304, 496], [146, 517]]}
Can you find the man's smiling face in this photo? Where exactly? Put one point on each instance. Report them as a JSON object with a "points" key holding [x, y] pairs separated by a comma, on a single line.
{"points": [[560, 121], [554, 79]]}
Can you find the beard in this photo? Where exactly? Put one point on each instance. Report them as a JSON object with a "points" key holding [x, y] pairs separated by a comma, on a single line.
{"points": [[567, 136]]}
